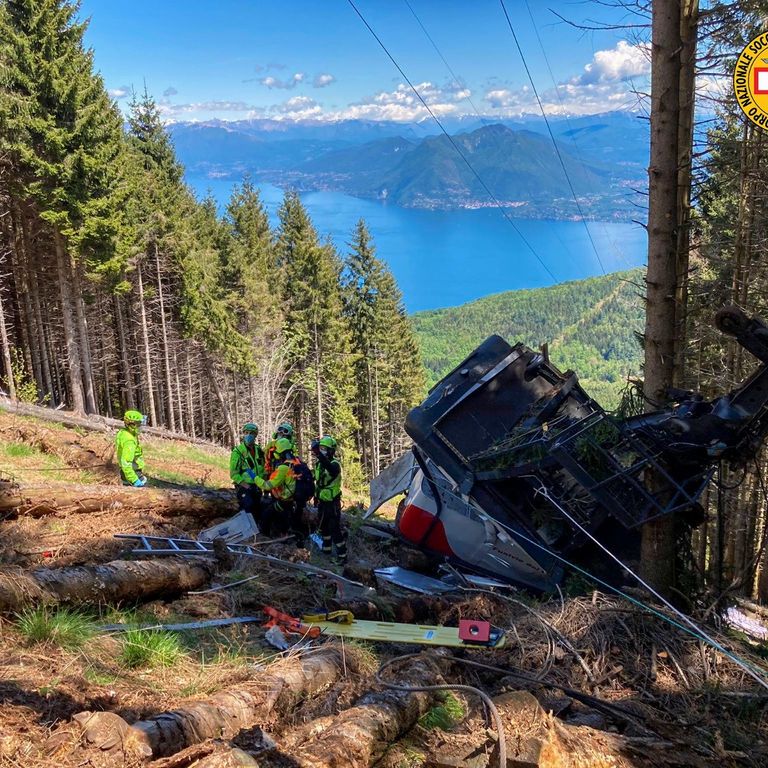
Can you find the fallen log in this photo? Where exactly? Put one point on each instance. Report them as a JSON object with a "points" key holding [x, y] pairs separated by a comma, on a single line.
{"points": [[222, 716], [358, 736], [66, 445], [115, 582], [92, 422], [40, 499]]}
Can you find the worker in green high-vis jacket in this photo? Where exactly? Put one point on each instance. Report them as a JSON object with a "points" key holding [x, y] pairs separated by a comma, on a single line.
{"points": [[130, 456], [246, 464]]}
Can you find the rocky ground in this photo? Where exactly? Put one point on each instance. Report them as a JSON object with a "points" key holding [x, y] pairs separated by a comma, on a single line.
{"points": [[584, 680]]}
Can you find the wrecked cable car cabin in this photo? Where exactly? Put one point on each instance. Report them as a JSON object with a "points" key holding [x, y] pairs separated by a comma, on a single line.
{"points": [[515, 467]]}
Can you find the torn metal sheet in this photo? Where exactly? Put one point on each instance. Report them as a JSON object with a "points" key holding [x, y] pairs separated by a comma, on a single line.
{"points": [[391, 482], [416, 582], [240, 527]]}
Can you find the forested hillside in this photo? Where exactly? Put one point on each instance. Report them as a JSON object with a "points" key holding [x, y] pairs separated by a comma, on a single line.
{"points": [[121, 290], [590, 325]]}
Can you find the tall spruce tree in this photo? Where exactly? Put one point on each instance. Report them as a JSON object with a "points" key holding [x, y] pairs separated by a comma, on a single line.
{"points": [[389, 373], [316, 334], [66, 157]]}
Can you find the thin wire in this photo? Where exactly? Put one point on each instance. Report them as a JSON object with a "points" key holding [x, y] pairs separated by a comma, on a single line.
{"points": [[567, 121], [455, 77], [552, 136], [497, 721], [454, 144], [702, 634], [695, 632]]}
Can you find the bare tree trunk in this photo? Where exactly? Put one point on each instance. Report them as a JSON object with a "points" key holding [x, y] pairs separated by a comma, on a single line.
{"points": [[74, 366], [178, 398], [45, 352], [113, 582], [222, 401], [6, 352], [222, 716], [359, 736], [39, 500], [661, 326], [166, 357], [318, 383], [190, 396], [128, 388], [82, 328], [147, 355]]}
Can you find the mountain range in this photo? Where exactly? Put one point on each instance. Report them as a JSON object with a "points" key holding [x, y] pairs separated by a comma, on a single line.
{"points": [[411, 165]]}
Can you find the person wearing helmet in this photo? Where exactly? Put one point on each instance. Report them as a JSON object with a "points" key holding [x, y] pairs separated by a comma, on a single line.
{"points": [[130, 456], [281, 485], [328, 497], [284, 430], [246, 463]]}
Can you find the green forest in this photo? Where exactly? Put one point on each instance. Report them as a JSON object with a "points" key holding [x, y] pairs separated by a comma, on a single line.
{"points": [[121, 290], [591, 327]]}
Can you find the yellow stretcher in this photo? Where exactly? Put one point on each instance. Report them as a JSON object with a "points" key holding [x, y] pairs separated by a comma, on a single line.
{"points": [[391, 632]]}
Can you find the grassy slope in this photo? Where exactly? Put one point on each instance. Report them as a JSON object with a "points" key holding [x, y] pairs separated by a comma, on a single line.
{"points": [[173, 461], [590, 326]]}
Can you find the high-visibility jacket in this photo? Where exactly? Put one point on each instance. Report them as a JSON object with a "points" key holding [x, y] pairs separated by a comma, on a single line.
{"points": [[270, 464], [242, 460], [130, 456], [327, 480], [281, 483]]}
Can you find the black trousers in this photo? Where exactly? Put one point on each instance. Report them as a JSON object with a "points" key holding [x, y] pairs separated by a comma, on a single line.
{"points": [[249, 500], [330, 527]]}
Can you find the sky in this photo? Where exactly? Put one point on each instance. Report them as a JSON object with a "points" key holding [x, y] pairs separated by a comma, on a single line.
{"points": [[303, 59]]}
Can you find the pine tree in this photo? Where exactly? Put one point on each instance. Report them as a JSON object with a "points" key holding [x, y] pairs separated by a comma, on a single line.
{"points": [[316, 334], [389, 373], [65, 156]]}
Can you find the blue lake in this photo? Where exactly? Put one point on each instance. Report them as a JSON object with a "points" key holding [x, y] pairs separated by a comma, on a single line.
{"points": [[445, 258]]}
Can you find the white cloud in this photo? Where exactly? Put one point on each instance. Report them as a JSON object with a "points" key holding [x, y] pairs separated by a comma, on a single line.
{"points": [[321, 81], [403, 105], [623, 62], [171, 111], [606, 84], [119, 93], [276, 82], [298, 108]]}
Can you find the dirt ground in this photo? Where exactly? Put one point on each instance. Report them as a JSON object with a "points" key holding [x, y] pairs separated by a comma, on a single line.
{"points": [[582, 680]]}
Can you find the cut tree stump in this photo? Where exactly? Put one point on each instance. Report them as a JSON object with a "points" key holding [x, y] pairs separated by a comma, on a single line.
{"points": [[115, 582], [38, 500]]}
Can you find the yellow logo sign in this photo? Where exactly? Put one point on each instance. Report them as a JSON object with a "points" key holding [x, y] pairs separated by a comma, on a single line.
{"points": [[750, 80]]}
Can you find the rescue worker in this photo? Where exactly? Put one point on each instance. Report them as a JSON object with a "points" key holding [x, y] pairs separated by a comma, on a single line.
{"points": [[246, 463], [328, 497], [281, 485], [284, 430], [128, 450]]}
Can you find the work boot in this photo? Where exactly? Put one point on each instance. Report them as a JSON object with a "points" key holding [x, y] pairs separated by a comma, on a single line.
{"points": [[341, 554]]}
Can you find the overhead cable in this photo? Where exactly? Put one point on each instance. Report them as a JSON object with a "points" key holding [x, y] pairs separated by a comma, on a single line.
{"points": [[565, 115], [552, 136], [455, 77], [455, 145]]}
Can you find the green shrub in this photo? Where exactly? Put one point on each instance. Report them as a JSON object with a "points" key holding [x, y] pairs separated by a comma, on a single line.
{"points": [[20, 450], [444, 715], [149, 648], [58, 626]]}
